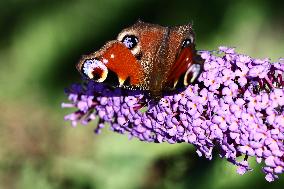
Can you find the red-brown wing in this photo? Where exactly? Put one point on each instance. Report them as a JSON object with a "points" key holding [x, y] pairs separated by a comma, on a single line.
{"points": [[180, 66]]}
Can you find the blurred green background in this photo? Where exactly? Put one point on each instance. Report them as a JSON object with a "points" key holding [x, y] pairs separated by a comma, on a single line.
{"points": [[41, 41]]}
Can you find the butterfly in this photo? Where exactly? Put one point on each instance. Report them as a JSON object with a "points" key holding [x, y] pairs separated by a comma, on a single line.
{"points": [[146, 57]]}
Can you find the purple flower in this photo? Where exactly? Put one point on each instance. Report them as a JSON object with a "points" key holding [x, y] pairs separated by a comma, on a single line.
{"points": [[237, 106]]}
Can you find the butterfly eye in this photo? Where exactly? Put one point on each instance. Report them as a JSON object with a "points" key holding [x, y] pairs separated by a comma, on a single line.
{"points": [[130, 41], [186, 43]]}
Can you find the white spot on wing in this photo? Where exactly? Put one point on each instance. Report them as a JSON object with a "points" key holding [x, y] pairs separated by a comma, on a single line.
{"points": [[105, 61]]}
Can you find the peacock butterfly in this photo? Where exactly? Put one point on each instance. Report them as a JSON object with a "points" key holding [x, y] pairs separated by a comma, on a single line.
{"points": [[146, 57]]}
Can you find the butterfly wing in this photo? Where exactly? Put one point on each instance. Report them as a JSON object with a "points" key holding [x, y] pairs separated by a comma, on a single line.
{"points": [[187, 65], [113, 64], [149, 52], [180, 66], [129, 61]]}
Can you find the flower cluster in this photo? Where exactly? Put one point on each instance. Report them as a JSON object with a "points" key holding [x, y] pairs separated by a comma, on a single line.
{"points": [[236, 106]]}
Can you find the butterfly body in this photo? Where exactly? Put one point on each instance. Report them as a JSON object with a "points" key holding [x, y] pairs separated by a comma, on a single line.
{"points": [[146, 57]]}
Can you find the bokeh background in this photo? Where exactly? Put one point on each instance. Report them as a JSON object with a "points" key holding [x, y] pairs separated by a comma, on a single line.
{"points": [[40, 43]]}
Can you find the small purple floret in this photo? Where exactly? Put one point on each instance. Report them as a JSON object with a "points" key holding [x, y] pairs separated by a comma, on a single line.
{"points": [[237, 106]]}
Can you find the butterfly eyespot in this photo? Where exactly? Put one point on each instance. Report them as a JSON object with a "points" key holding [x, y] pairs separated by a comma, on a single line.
{"points": [[95, 70], [186, 43], [97, 73], [130, 41], [192, 74]]}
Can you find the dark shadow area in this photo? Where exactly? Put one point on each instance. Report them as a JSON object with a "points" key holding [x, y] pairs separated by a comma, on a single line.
{"points": [[69, 183], [180, 170]]}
